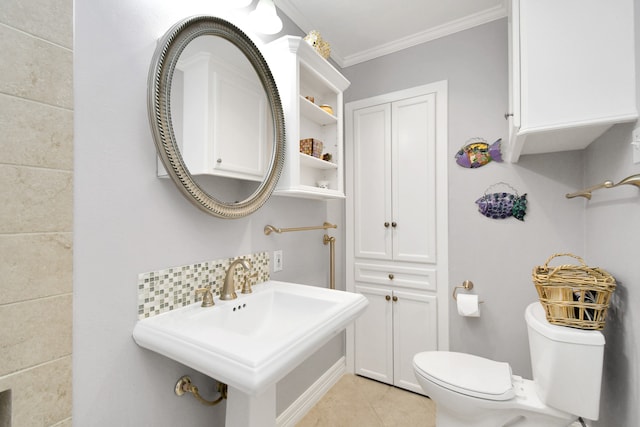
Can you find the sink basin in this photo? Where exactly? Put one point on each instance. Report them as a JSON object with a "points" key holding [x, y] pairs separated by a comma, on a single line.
{"points": [[253, 341]]}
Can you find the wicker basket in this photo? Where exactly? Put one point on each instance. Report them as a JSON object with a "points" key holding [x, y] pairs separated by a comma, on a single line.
{"points": [[574, 295]]}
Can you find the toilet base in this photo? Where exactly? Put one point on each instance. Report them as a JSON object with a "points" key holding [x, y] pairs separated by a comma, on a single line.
{"points": [[445, 419], [525, 410]]}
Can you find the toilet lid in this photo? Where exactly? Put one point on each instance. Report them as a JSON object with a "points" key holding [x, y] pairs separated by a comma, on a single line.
{"points": [[467, 374]]}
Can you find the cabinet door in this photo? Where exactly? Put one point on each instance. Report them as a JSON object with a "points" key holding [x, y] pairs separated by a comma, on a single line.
{"points": [[373, 336], [575, 61], [239, 140], [372, 182], [413, 179], [570, 69], [414, 330]]}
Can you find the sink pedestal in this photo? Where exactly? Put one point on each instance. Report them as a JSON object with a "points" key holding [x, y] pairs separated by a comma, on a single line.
{"points": [[244, 410]]}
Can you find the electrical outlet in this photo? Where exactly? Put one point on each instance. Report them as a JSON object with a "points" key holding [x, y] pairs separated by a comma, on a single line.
{"points": [[277, 261]]}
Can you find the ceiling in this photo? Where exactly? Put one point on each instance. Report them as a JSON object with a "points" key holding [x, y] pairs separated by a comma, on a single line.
{"points": [[360, 30]]}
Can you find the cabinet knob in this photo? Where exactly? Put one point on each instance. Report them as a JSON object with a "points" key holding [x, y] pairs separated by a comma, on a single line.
{"points": [[395, 298], [394, 224], [391, 276], [386, 225], [387, 297], [507, 115]]}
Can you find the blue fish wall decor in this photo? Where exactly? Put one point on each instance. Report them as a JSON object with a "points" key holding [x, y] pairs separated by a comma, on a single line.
{"points": [[478, 153], [503, 205]]}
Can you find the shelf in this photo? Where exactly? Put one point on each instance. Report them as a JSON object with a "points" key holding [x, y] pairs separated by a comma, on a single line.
{"points": [[314, 162], [310, 192], [313, 112]]}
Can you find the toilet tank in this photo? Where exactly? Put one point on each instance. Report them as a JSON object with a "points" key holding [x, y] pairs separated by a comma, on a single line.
{"points": [[566, 364]]}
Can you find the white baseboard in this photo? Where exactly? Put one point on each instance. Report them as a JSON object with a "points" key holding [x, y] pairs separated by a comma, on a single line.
{"points": [[312, 395]]}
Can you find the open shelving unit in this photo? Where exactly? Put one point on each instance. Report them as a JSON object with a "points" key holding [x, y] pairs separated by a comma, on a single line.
{"points": [[300, 72]]}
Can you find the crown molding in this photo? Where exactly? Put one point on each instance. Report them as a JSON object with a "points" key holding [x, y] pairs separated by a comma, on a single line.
{"points": [[483, 17]]}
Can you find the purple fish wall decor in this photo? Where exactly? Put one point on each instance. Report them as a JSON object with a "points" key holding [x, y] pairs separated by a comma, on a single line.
{"points": [[502, 205], [477, 153]]}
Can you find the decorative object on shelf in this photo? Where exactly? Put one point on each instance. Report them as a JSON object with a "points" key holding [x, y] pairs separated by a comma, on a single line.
{"points": [[311, 147], [311, 99], [306, 146], [327, 108], [477, 153], [316, 151], [574, 295], [327, 157], [586, 193], [502, 205], [323, 184], [321, 46]]}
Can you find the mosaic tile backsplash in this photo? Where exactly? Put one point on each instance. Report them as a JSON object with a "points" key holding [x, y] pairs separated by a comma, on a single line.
{"points": [[164, 290]]}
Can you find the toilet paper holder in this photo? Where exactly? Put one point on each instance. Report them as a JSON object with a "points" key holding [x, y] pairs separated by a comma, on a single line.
{"points": [[467, 285]]}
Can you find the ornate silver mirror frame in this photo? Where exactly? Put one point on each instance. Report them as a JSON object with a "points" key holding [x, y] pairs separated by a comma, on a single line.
{"points": [[161, 73]]}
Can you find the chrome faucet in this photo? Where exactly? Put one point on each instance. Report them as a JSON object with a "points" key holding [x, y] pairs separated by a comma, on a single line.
{"points": [[229, 288]]}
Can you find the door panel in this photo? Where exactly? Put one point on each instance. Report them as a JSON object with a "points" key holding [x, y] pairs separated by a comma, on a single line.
{"points": [[414, 331], [413, 179], [372, 181], [373, 336]]}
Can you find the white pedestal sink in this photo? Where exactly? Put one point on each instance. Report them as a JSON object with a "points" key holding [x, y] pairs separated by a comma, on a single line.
{"points": [[253, 341]]}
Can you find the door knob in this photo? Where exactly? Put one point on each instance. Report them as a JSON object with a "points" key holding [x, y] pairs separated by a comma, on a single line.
{"points": [[386, 225], [395, 298], [391, 276], [394, 224], [387, 297]]}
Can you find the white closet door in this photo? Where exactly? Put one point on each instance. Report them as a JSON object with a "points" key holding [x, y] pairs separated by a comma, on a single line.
{"points": [[414, 330], [372, 182], [374, 336], [413, 179]]}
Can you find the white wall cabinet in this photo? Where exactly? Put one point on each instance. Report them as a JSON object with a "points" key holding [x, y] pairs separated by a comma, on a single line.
{"points": [[394, 180], [396, 325], [396, 255], [572, 73], [221, 115], [300, 72]]}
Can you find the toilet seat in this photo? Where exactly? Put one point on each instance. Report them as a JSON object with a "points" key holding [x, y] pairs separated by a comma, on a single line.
{"points": [[467, 374]]}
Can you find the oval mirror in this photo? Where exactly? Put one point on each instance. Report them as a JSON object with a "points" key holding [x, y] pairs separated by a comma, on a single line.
{"points": [[216, 117]]}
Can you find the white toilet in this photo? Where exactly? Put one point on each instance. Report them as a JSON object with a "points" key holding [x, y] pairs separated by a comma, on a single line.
{"points": [[473, 391]]}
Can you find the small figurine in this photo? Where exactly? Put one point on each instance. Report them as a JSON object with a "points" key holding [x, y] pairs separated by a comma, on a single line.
{"points": [[478, 153], [322, 47]]}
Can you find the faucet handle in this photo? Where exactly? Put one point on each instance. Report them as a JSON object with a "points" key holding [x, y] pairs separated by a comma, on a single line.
{"points": [[246, 285], [207, 296]]}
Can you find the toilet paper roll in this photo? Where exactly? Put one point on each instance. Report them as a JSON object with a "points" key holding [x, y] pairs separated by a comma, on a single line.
{"points": [[468, 305]]}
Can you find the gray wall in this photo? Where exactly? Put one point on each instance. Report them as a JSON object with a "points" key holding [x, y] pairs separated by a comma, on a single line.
{"points": [[613, 239], [127, 222], [497, 256]]}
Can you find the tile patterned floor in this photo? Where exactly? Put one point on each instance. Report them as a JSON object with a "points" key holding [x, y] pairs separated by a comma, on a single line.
{"points": [[358, 402]]}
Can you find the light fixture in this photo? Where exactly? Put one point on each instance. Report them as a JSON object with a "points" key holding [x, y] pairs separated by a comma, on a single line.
{"points": [[265, 19]]}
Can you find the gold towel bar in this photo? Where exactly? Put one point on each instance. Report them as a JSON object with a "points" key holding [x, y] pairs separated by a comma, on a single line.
{"points": [[326, 239], [268, 229], [586, 193]]}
